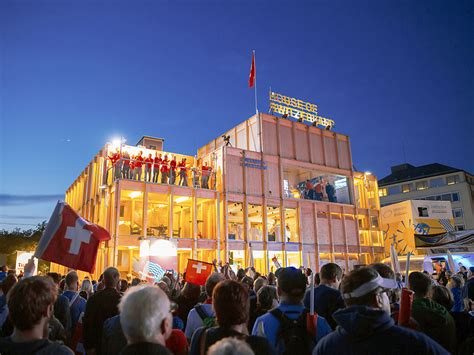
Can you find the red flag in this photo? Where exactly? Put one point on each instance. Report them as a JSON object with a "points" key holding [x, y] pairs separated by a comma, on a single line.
{"points": [[252, 72], [197, 272], [70, 240]]}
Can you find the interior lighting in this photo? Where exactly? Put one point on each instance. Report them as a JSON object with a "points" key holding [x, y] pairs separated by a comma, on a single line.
{"points": [[181, 199], [134, 194]]}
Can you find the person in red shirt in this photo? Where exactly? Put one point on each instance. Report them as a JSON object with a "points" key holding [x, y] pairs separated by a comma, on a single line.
{"points": [[115, 160], [132, 167], [138, 166], [173, 170], [165, 170], [148, 165], [156, 167], [206, 172], [318, 191], [183, 179]]}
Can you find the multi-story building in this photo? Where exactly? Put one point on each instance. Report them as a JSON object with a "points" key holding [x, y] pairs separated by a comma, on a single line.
{"points": [[262, 197], [432, 182]]}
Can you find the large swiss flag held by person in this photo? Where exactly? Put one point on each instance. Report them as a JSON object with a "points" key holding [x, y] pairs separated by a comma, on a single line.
{"points": [[197, 272], [70, 240]]}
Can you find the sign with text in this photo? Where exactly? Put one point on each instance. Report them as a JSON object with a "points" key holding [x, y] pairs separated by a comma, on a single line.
{"points": [[303, 111], [253, 163]]}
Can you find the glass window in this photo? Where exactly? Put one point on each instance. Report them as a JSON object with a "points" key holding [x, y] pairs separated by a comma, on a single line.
{"points": [[374, 222], [236, 259], [453, 179], [131, 213], [293, 259], [422, 185], [382, 192], [206, 218], [314, 185], [460, 227], [455, 197], [437, 182], [394, 190], [407, 188], [273, 224], [291, 225], [235, 217], [457, 212], [255, 216], [158, 215], [182, 217]]}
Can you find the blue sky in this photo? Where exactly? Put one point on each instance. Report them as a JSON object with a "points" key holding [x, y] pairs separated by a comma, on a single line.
{"points": [[394, 75]]}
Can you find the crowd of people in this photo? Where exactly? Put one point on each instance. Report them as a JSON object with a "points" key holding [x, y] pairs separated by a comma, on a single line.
{"points": [[237, 313], [159, 169]]}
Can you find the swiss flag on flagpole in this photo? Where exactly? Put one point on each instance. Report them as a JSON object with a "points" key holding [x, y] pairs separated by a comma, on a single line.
{"points": [[252, 71], [70, 240], [197, 272]]}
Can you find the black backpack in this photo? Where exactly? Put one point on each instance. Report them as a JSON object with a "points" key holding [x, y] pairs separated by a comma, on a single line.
{"points": [[294, 334]]}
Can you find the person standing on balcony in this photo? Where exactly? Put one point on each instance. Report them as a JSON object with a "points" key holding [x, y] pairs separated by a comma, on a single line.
{"points": [[165, 170], [173, 170], [138, 166], [205, 173], [318, 191], [114, 159], [183, 180], [156, 167], [126, 165], [148, 165]]}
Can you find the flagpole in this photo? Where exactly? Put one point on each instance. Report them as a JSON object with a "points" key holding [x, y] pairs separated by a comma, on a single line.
{"points": [[255, 86]]}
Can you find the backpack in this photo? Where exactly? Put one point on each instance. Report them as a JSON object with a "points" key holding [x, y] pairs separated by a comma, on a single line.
{"points": [[207, 320], [293, 333]]}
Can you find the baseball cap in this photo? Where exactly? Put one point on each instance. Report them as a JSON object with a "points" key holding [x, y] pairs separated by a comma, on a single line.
{"points": [[371, 285], [291, 281]]}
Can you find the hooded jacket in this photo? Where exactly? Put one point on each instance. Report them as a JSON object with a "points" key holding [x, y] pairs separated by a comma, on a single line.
{"points": [[365, 330], [435, 321]]}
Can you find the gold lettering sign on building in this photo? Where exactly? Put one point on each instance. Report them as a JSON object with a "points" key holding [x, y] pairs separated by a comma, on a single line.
{"points": [[302, 111]]}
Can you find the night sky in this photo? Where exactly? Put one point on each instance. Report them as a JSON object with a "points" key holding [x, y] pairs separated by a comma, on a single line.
{"points": [[396, 76]]}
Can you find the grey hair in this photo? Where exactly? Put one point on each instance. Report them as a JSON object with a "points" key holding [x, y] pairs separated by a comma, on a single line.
{"points": [[142, 311], [86, 286], [230, 346]]}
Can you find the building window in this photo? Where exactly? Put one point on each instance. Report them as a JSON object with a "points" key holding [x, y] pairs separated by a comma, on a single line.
{"points": [[422, 185], [453, 179], [255, 217], [182, 217], [382, 192], [158, 215], [131, 213], [422, 212], [235, 217], [455, 197], [206, 218], [457, 212], [291, 225], [407, 188], [460, 227], [374, 222], [394, 190], [273, 224], [437, 182]]}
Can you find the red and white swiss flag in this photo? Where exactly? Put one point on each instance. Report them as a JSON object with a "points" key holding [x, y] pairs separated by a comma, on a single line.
{"points": [[70, 240], [197, 272]]}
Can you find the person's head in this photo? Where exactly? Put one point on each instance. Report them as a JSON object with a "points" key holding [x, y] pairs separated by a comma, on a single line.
{"points": [[8, 282], [86, 286], [443, 296], [31, 303], [55, 277], [331, 274], [247, 281], [365, 287], [291, 285], [123, 285], [230, 301], [191, 291], [72, 281], [211, 282], [259, 283], [149, 155], [267, 297], [4, 268], [387, 273], [164, 287], [111, 277], [420, 284], [271, 279], [230, 346], [240, 274], [456, 281], [145, 315], [136, 281]]}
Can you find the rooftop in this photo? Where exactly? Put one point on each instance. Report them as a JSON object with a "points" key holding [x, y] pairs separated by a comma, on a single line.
{"points": [[408, 172]]}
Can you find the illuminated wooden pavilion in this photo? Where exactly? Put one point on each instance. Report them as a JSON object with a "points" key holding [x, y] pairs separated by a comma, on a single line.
{"points": [[256, 201]]}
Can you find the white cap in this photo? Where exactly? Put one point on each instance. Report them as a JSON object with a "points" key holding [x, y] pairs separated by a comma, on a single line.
{"points": [[364, 289]]}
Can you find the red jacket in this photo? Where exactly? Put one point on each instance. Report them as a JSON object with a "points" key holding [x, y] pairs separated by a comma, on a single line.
{"points": [[138, 161], [173, 165], [164, 166], [157, 162], [182, 166], [148, 162], [114, 158]]}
